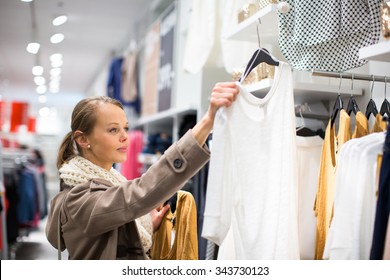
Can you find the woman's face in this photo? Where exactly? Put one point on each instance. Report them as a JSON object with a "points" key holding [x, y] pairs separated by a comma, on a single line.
{"points": [[109, 139]]}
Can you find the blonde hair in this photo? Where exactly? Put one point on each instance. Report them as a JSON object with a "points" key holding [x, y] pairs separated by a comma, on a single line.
{"points": [[83, 119]]}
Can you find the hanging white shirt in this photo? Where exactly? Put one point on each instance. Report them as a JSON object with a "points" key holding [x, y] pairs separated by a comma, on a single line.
{"points": [[309, 156], [351, 230], [252, 183]]}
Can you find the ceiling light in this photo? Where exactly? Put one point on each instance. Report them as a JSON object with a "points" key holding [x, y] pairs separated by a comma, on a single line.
{"points": [[42, 99], [26, 0], [44, 112], [59, 20], [33, 47], [54, 90], [41, 89], [56, 64], [37, 70], [55, 71], [39, 80], [56, 57], [57, 38]]}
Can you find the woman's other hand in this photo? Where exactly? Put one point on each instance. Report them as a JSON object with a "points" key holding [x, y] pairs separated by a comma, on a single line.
{"points": [[157, 216]]}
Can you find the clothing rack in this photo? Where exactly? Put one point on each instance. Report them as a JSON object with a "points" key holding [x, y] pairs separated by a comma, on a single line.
{"points": [[354, 76]]}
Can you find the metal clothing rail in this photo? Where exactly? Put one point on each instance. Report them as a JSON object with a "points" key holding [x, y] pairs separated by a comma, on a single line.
{"points": [[354, 76]]}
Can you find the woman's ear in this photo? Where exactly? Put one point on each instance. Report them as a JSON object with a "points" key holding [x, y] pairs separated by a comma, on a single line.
{"points": [[81, 139]]}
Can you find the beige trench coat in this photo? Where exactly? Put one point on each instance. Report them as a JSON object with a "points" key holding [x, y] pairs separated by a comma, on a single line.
{"points": [[97, 218]]}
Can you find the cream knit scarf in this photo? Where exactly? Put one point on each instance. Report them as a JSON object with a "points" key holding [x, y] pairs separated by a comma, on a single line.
{"points": [[80, 170]]}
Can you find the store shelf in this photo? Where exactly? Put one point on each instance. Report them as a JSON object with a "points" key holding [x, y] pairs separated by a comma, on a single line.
{"points": [[377, 52], [306, 92], [164, 116], [247, 29]]}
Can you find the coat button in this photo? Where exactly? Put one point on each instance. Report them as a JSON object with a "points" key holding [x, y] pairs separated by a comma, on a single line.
{"points": [[177, 163]]}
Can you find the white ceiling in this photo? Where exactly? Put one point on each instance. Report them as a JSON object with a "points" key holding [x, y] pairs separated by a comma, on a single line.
{"points": [[95, 30]]}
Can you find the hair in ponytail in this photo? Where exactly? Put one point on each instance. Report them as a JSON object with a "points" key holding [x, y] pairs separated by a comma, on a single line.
{"points": [[83, 119]]}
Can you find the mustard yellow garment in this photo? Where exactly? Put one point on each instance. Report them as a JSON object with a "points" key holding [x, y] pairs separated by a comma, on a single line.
{"points": [[379, 124], [361, 128], [327, 177], [185, 245]]}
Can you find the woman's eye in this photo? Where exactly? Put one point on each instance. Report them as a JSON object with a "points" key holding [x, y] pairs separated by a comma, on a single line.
{"points": [[126, 129], [113, 130]]}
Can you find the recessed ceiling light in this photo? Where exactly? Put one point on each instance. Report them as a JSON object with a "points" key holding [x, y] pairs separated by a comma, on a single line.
{"points": [[55, 71], [56, 57], [57, 38], [33, 47], [37, 70], [41, 89], [39, 80], [26, 0], [42, 99], [56, 63], [44, 112], [59, 20]]}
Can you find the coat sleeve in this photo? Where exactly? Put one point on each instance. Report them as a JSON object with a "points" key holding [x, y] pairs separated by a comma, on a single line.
{"points": [[98, 207]]}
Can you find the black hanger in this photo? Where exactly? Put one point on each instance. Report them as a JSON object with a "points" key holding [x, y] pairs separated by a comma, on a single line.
{"points": [[385, 108], [259, 56], [371, 109], [172, 202], [371, 106], [338, 105], [352, 106]]}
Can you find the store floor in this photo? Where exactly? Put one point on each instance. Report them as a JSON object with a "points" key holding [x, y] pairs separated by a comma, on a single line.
{"points": [[34, 246]]}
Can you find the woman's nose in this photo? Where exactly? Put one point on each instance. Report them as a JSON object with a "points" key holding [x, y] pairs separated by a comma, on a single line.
{"points": [[124, 136]]}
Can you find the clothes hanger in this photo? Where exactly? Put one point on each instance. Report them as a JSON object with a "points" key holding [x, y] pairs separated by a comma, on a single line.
{"points": [[371, 106], [259, 56], [338, 105], [172, 202], [352, 106], [385, 108]]}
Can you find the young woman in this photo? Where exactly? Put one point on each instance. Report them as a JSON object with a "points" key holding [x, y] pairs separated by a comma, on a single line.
{"points": [[98, 214]]}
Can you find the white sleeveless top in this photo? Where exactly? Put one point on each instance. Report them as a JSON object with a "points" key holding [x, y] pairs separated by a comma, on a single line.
{"points": [[252, 183]]}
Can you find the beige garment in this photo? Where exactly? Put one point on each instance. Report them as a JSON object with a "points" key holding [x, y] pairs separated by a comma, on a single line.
{"points": [[185, 243], [327, 176], [129, 77]]}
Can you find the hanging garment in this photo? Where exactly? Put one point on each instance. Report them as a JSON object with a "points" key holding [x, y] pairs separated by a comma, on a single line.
{"points": [[308, 160], [379, 124], [327, 35], [207, 42], [252, 184], [383, 204], [350, 233], [176, 238], [131, 168], [129, 86], [361, 127], [323, 207]]}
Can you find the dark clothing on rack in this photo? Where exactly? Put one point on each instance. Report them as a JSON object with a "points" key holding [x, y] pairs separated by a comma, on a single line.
{"points": [[114, 85], [383, 204]]}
